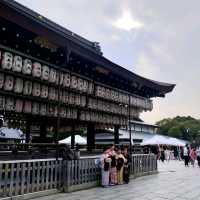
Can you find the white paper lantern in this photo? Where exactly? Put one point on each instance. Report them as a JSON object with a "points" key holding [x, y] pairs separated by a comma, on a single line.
{"points": [[71, 99], [65, 98], [1, 80], [35, 108], [36, 89], [45, 73], [107, 93], [2, 102], [50, 110], [85, 86], [44, 91], [68, 110], [98, 91], [7, 60], [77, 100], [27, 67], [52, 93], [43, 109], [80, 84], [74, 114], [90, 88], [9, 83], [37, 70], [61, 77], [55, 111], [83, 101], [56, 95], [63, 112], [83, 115], [10, 104], [74, 82], [18, 87], [66, 80], [52, 75], [27, 90], [19, 105], [27, 107], [120, 97], [88, 116], [17, 64]]}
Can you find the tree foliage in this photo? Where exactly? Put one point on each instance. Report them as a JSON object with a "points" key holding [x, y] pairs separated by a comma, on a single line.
{"points": [[182, 127]]}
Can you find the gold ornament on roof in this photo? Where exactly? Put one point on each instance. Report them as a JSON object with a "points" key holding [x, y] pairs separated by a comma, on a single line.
{"points": [[45, 43]]}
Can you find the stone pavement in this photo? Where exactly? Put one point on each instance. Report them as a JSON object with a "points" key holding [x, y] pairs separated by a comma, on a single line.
{"points": [[173, 182]]}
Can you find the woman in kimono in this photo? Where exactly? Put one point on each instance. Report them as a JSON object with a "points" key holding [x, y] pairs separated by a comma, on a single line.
{"points": [[193, 156], [105, 167], [126, 172], [120, 167], [113, 164]]}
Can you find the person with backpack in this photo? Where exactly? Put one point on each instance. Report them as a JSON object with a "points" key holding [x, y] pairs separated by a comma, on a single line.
{"points": [[120, 167], [105, 167]]}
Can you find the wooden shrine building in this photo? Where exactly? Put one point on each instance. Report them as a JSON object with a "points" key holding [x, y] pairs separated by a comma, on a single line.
{"points": [[50, 76]]}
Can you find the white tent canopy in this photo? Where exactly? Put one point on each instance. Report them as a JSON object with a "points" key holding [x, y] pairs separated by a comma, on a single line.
{"points": [[156, 140], [78, 140], [11, 133], [163, 140], [177, 142]]}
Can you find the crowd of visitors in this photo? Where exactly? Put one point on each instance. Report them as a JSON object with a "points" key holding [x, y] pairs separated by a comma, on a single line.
{"points": [[188, 154], [115, 166]]}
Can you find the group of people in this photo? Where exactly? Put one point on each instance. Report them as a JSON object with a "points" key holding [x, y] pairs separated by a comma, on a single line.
{"points": [[114, 166], [191, 154]]}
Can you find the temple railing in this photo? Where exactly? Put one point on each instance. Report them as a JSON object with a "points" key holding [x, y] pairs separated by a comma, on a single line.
{"points": [[32, 177]]}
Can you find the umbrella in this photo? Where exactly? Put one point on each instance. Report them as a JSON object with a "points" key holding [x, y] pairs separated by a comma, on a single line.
{"points": [[78, 139], [156, 140]]}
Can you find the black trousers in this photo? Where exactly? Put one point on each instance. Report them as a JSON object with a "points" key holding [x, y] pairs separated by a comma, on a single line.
{"points": [[198, 159], [126, 174], [186, 158]]}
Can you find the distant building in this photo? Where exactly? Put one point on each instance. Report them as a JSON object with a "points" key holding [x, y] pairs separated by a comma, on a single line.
{"points": [[140, 131]]}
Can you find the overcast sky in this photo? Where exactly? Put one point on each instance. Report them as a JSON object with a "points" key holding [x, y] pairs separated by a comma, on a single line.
{"points": [[156, 39]]}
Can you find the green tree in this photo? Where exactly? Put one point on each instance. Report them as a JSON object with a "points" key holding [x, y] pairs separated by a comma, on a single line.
{"points": [[184, 127]]}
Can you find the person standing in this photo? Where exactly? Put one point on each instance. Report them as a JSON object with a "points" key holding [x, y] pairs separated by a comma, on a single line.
{"points": [[198, 155], [105, 167], [120, 167], [113, 168], [167, 154], [126, 172], [186, 155], [193, 156], [162, 156]]}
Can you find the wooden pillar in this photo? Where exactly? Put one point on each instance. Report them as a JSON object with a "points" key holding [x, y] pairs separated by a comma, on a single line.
{"points": [[90, 137], [43, 131], [116, 134], [73, 136], [28, 130]]}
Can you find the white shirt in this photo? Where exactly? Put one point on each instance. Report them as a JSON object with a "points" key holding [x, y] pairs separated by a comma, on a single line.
{"points": [[185, 151]]}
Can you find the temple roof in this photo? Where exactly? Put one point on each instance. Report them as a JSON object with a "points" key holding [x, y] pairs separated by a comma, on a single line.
{"points": [[90, 50]]}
